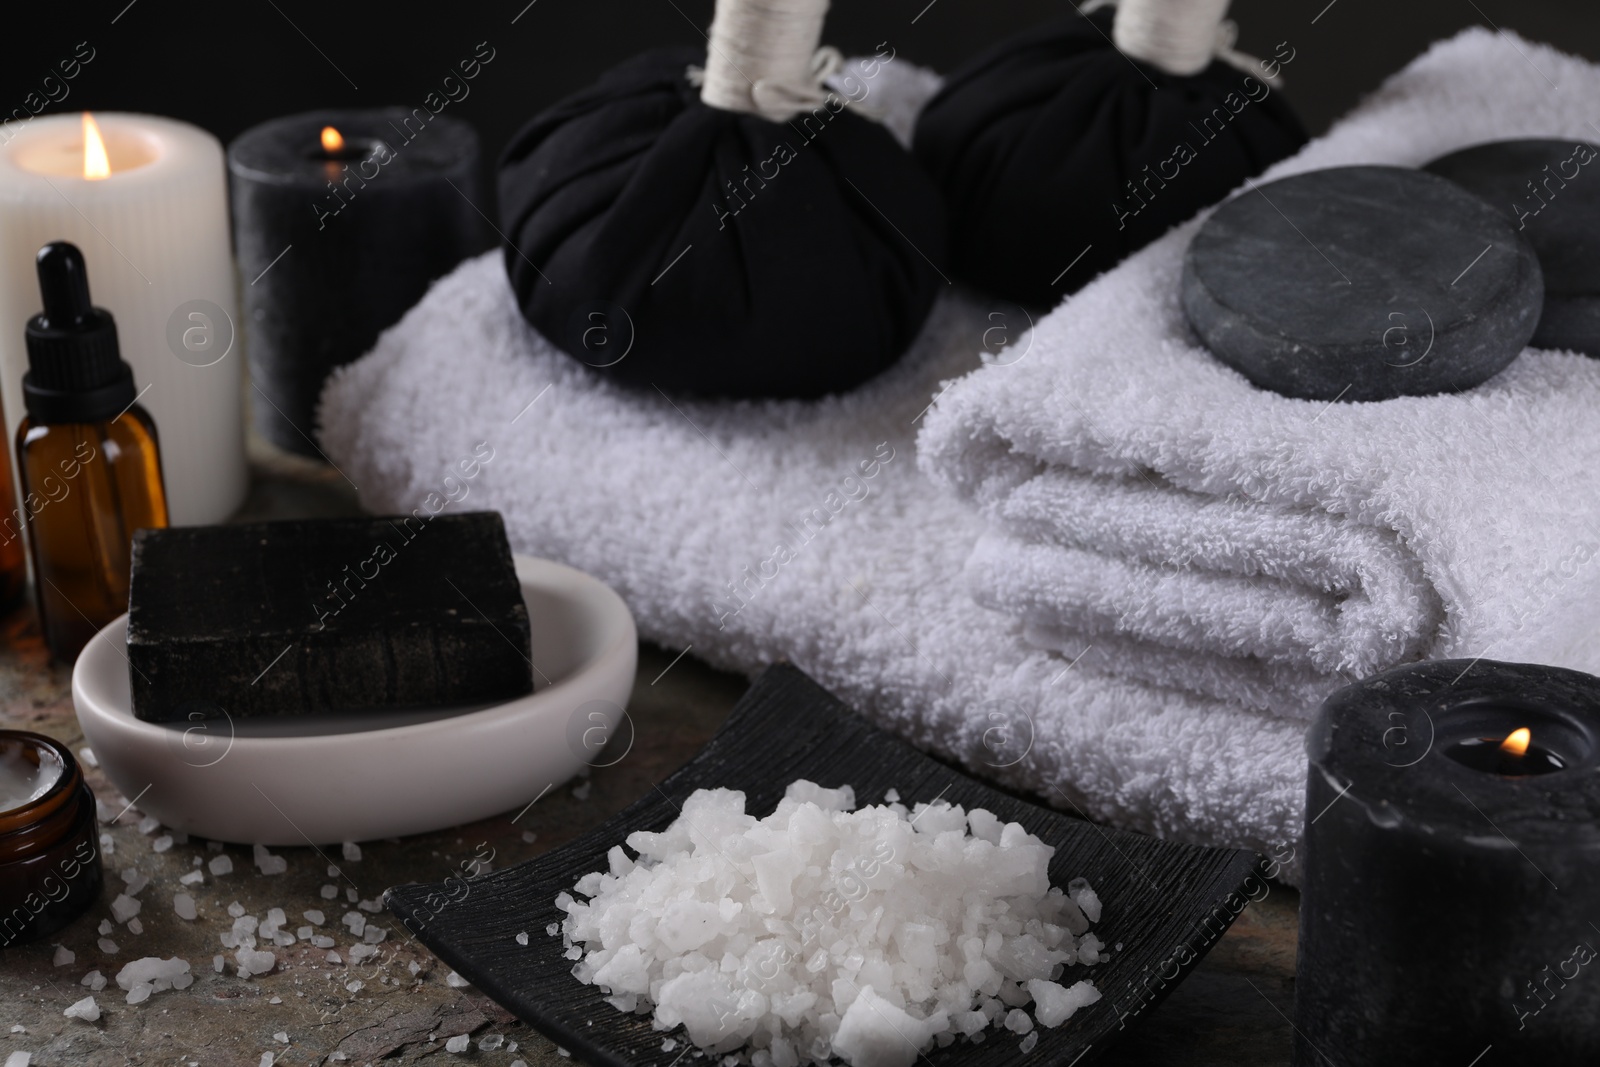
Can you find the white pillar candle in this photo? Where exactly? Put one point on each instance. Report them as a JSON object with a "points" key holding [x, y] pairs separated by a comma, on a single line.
{"points": [[154, 232]]}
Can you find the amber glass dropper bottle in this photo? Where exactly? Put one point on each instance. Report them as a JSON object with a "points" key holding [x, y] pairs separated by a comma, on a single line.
{"points": [[88, 457], [13, 554]]}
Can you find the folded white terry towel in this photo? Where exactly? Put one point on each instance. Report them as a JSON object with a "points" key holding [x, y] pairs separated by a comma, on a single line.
{"points": [[1155, 513]]}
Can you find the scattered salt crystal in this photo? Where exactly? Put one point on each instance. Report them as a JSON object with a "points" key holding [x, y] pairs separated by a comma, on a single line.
{"points": [[333, 957], [162, 843], [183, 904], [1054, 1005], [1083, 896], [553, 929], [148, 974], [457, 1044], [522, 938], [351, 895], [355, 985], [92, 977], [361, 952], [102, 811], [314, 917], [87, 755], [352, 852], [415, 968], [455, 981], [63, 956], [217, 964], [275, 1000], [149, 824], [374, 934], [85, 1009], [108, 946], [266, 1060], [374, 906], [1029, 1042], [305, 933], [254, 961], [267, 862], [891, 796], [124, 908], [220, 865], [355, 921], [192, 878], [19, 1029], [491, 1042], [108, 847], [135, 927], [323, 942], [105, 927], [19, 1059], [1018, 1022], [329, 892], [519, 1063], [282, 1037], [135, 881]]}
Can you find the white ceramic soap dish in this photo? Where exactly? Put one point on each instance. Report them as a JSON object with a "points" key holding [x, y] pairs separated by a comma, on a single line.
{"points": [[297, 781]]}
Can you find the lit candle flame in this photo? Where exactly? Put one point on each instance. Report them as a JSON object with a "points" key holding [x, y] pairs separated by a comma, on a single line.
{"points": [[95, 163], [332, 139], [1516, 742]]}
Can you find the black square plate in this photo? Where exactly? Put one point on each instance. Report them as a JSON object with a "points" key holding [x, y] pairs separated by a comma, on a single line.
{"points": [[1165, 903]]}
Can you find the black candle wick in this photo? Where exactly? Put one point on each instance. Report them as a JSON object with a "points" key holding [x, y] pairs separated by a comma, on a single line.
{"points": [[348, 150], [1493, 755]]}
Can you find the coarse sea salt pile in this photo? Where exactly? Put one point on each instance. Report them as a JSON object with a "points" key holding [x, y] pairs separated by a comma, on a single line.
{"points": [[821, 931]]}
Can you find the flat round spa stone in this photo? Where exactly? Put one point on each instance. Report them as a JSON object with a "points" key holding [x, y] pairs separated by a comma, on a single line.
{"points": [[1362, 283], [1551, 191]]}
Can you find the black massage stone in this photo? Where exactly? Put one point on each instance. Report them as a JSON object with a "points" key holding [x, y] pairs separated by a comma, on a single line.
{"points": [[325, 616], [1551, 191], [1362, 283]]}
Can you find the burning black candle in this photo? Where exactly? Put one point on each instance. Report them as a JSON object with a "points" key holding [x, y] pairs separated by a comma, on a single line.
{"points": [[1449, 910], [341, 219]]}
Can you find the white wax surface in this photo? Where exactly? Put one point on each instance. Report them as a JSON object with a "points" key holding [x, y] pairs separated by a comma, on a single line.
{"points": [[21, 781], [155, 235]]}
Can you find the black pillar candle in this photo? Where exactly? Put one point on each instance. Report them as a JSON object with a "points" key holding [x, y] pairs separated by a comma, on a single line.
{"points": [[1451, 904], [340, 221]]}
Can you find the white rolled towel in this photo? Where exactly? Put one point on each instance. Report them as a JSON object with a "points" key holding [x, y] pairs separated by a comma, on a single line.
{"points": [[1147, 501]]}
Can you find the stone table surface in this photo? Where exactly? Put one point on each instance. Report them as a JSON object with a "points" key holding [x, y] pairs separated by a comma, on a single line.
{"points": [[398, 1005]]}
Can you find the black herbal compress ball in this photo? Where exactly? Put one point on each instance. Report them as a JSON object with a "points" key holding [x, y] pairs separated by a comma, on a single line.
{"points": [[1054, 145], [670, 243]]}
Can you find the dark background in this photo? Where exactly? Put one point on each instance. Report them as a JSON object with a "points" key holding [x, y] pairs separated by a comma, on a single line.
{"points": [[228, 64]]}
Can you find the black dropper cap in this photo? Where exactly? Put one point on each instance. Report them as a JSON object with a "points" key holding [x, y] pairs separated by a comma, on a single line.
{"points": [[75, 370]]}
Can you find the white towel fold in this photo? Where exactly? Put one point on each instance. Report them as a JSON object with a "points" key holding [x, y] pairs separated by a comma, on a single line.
{"points": [[1148, 504]]}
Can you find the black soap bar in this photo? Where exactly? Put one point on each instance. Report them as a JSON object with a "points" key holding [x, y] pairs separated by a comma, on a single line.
{"points": [[330, 615], [1362, 283], [1551, 190]]}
